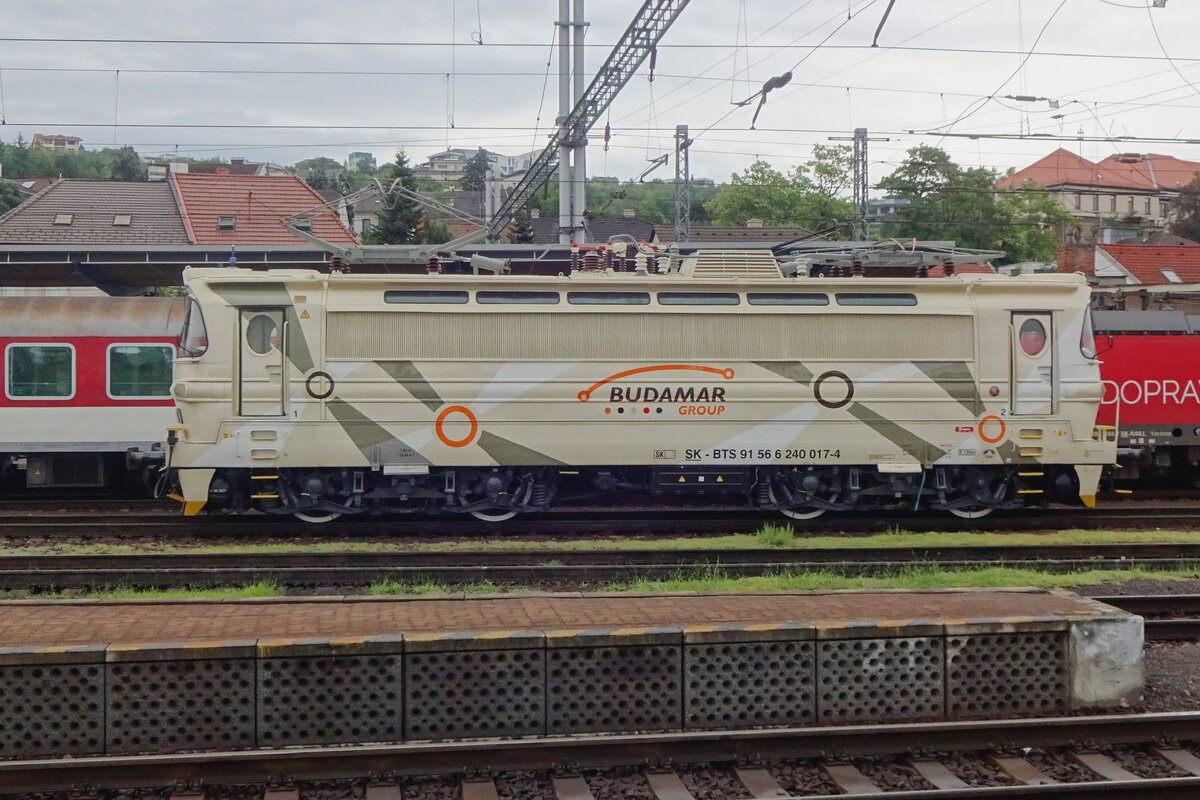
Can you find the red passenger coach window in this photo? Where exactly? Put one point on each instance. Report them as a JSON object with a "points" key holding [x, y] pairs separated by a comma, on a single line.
{"points": [[1033, 337]]}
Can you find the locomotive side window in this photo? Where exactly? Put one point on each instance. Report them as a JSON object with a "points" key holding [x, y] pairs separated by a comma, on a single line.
{"points": [[608, 298], [698, 298], [417, 296], [139, 370], [876, 299], [193, 341], [534, 298], [1033, 337], [787, 299], [39, 372], [262, 334]]}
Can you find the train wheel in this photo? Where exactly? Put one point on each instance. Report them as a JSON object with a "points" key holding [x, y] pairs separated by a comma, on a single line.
{"points": [[793, 513], [319, 517], [495, 515], [971, 513]]}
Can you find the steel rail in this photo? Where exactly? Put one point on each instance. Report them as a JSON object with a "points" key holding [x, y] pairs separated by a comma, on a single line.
{"points": [[591, 521], [598, 751], [552, 566]]}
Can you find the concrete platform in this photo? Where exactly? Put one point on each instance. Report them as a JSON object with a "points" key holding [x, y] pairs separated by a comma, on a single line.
{"points": [[86, 677]]}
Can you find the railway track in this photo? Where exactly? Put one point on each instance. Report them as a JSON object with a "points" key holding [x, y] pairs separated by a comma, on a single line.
{"points": [[1121, 756], [550, 567], [133, 519]]}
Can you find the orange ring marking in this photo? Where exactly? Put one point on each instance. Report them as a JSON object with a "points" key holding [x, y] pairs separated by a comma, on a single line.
{"points": [[586, 394], [985, 421], [441, 420]]}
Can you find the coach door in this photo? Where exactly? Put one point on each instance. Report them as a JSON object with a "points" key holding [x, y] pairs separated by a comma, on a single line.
{"points": [[1032, 363], [261, 384]]}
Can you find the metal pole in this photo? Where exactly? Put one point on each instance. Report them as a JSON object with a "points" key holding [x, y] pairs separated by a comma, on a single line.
{"points": [[565, 224], [860, 184], [683, 186], [579, 157]]}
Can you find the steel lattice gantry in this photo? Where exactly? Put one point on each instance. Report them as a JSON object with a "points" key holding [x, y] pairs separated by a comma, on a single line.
{"points": [[633, 48]]}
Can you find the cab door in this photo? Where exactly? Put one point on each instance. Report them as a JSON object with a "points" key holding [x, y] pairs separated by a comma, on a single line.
{"points": [[1033, 366], [262, 378]]}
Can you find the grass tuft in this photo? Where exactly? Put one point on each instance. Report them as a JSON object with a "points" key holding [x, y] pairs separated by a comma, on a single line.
{"points": [[772, 535]]}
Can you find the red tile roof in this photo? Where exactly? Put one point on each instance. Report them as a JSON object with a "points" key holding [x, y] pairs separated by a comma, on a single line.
{"points": [[1149, 172], [1146, 262], [259, 202]]}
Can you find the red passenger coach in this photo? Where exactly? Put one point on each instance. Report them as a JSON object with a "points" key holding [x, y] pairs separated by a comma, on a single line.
{"points": [[1150, 364], [86, 399]]}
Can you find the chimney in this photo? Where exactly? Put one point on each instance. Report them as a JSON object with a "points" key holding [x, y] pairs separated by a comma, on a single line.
{"points": [[628, 213], [535, 213], [754, 222], [237, 162], [177, 166], [156, 172]]}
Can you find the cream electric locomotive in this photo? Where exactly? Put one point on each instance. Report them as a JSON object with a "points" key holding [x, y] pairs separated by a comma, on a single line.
{"points": [[320, 395]]}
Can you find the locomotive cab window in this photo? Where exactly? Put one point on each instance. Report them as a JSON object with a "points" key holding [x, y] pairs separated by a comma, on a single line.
{"points": [[262, 334], [193, 341], [39, 372], [1033, 337], [139, 371]]}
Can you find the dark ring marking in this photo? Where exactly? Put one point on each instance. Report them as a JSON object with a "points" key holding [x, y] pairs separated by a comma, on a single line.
{"points": [[833, 374], [308, 385]]}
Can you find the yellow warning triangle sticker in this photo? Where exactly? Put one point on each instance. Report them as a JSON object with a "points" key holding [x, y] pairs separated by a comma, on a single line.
{"points": [[682, 479], [720, 479], [304, 314]]}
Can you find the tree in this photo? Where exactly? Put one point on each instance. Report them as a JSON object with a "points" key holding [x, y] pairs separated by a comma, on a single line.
{"points": [[400, 216], [10, 196], [127, 166], [522, 228], [476, 170], [1187, 212], [831, 169], [762, 192], [948, 202]]}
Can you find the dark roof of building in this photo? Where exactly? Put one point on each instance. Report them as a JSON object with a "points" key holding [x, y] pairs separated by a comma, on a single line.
{"points": [[705, 233], [259, 203], [600, 229], [93, 207]]}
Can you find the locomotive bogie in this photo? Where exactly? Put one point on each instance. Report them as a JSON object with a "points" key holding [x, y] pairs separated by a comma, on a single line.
{"points": [[494, 395]]}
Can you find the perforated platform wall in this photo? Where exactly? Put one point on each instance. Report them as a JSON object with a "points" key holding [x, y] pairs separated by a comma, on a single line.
{"points": [[273, 693], [992, 673], [330, 700], [749, 684], [51, 709], [165, 706]]}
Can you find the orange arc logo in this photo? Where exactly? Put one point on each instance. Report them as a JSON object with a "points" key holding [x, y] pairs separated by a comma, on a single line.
{"points": [[999, 436], [439, 427], [587, 393]]}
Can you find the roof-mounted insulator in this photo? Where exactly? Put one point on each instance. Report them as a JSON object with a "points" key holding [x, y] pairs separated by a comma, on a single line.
{"points": [[653, 62], [948, 267], [433, 266], [922, 270], [856, 268]]}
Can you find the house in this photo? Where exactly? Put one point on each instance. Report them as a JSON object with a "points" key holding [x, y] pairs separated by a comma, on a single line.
{"points": [[1129, 188], [85, 212], [599, 229], [753, 231], [57, 142], [236, 210], [450, 165], [128, 236], [361, 162], [236, 166], [1132, 264]]}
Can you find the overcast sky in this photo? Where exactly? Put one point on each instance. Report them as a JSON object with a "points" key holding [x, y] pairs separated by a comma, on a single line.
{"points": [[494, 91]]}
